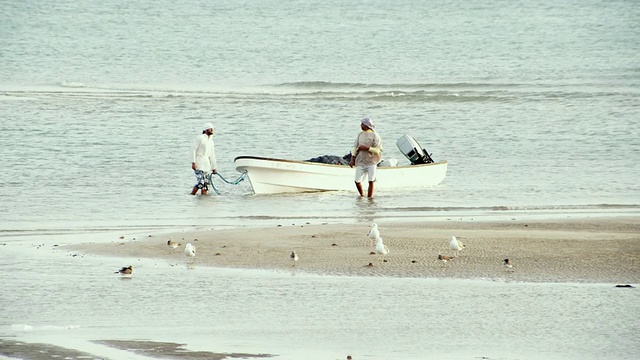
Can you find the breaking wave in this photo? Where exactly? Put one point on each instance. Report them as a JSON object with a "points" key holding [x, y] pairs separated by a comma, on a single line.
{"points": [[326, 91]]}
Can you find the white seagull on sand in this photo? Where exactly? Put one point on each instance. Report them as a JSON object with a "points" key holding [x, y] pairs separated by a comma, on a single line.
{"points": [[381, 248], [456, 245], [294, 258], [189, 250], [374, 233]]}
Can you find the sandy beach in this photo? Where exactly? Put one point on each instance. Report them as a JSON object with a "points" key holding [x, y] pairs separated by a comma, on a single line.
{"points": [[603, 250], [174, 306]]}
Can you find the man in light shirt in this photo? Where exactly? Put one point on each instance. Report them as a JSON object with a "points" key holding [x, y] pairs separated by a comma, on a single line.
{"points": [[366, 155], [203, 159]]}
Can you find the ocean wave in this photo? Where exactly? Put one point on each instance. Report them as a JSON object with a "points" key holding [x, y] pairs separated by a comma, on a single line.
{"points": [[386, 96], [496, 85], [327, 91], [408, 86], [28, 328], [19, 232], [617, 209], [541, 208], [71, 84]]}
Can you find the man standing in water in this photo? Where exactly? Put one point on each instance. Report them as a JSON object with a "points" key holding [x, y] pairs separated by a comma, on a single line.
{"points": [[203, 159], [366, 155]]}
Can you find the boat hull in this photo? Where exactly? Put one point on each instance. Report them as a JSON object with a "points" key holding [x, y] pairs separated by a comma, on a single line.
{"points": [[272, 176]]}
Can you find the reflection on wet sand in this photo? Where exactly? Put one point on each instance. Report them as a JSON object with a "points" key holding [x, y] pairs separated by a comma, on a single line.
{"points": [[168, 350], [160, 350], [37, 351]]}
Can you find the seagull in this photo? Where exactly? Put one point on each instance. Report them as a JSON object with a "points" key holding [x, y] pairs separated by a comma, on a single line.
{"points": [[445, 258], [456, 245], [374, 233], [381, 249], [507, 264], [293, 257], [172, 244], [189, 250], [126, 271]]}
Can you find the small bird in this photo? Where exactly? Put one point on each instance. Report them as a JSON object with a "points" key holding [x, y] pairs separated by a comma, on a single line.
{"points": [[507, 264], [172, 244], [381, 248], [444, 258], [294, 257], [456, 245], [189, 250], [125, 271], [374, 233]]}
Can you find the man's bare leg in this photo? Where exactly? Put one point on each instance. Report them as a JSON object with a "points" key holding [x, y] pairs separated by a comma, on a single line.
{"points": [[370, 190], [194, 190], [359, 187]]}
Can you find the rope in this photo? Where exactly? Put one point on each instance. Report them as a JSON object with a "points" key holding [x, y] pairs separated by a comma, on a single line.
{"points": [[235, 182], [213, 186]]}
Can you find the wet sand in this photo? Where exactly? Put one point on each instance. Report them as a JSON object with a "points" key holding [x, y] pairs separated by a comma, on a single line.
{"points": [[603, 250], [169, 350], [160, 350], [37, 351]]}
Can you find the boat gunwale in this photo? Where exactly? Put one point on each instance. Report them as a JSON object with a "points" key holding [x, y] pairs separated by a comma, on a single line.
{"points": [[330, 165]]}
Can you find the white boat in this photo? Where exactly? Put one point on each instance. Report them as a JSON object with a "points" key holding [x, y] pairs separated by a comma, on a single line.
{"points": [[271, 176]]}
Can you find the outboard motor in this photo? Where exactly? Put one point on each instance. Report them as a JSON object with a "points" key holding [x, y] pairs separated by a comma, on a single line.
{"points": [[413, 151]]}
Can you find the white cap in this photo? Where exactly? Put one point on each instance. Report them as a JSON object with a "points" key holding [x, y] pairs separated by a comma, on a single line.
{"points": [[207, 126], [368, 123]]}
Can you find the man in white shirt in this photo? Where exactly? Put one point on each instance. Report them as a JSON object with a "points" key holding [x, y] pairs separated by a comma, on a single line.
{"points": [[203, 159], [365, 155]]}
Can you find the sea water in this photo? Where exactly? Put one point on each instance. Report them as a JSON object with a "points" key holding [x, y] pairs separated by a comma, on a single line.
{"points": [[535, 106]]}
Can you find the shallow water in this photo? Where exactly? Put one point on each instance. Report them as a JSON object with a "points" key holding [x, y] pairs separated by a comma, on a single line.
{"points": [[70, 301]]}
